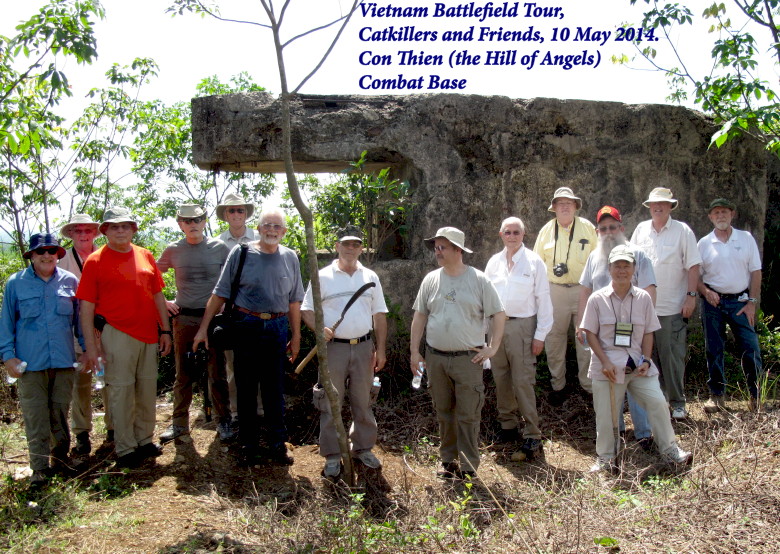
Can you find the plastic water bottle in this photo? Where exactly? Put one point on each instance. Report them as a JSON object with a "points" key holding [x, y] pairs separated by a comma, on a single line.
{"points": [[377, 383], [375, 390], [100, 375], [417, 380], [585, 345], [21, 368]]}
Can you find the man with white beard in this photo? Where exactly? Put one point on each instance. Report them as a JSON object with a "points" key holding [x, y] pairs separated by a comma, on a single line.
{"points": [[609, 225]]}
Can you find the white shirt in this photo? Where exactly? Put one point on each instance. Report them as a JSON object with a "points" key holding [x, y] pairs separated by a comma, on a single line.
{"points": [[337, 287], [524, 290], [248, 236], [727, 266], [673, 252]]}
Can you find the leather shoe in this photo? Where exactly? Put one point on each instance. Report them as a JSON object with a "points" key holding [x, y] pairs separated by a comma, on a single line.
{"points": [[149, 450]]}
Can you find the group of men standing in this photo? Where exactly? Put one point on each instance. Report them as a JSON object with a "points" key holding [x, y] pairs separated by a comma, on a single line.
{"points": [[106, 307]]}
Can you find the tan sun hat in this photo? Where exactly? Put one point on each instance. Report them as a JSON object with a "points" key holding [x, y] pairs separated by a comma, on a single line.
{"points": [[564, 192], [234, 200], [455, 236], [660, 194], [77, 219], [189, 211]]}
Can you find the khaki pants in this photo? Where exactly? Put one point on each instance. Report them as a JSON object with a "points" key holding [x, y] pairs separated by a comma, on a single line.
{"points": [[647, 392], [565, 302], [45, 400], [670, 342], [131, 380], [458, 395], [514, 370], [81, 408], [353, 362]]}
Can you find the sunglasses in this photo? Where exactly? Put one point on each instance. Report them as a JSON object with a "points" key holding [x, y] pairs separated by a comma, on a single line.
{"points": [[236, 210], [46, 250], [188, 220], [274, 226], [606, 228], [440, 248], [507, 233]]}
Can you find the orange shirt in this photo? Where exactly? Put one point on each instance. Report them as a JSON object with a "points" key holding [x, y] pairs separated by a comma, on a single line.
{"points": [[122, 286]]}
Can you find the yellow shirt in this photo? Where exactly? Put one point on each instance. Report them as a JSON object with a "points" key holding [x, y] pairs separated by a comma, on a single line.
{"points": [[582, 244]]}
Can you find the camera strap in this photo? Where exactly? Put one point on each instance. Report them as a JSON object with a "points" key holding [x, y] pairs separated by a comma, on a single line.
{"points": [[236, 280], [571, 238]]}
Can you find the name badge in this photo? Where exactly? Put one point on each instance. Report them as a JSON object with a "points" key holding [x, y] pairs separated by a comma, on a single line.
{"points": [[623, 332]]}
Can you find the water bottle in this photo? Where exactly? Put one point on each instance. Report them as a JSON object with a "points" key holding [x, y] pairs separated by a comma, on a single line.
{"points": [[375, 389], [100, 375], [417, 380], [585, 344], [21, 368]]}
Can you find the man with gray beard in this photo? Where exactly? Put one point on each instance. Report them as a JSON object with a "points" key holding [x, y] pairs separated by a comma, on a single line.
{"points": [[609, 225]]}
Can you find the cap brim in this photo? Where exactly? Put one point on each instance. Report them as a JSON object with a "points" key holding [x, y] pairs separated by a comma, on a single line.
{"points": [[350, 237]]}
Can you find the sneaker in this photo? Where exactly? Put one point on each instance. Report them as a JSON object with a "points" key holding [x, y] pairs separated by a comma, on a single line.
{"points": [[149, 450], [172, 432], [714, 404], [226, 432], [556, 398], [332, 467], [83, 445], [530, 446], [603, 465], [679, 413], [677, 455], [368, 459], [508, 435], [449, 470], [645, 443]]}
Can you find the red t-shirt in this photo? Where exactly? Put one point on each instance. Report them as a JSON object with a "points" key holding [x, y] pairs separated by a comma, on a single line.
{"points": [[122, 286]]}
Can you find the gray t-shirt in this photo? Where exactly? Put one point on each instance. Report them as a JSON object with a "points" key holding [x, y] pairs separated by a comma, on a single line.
{"points": [[197, 269], [269, 282], [456, 308], [596, 275]]}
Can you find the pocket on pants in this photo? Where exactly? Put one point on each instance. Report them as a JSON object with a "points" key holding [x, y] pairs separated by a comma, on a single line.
{"points": [[471, 405]]}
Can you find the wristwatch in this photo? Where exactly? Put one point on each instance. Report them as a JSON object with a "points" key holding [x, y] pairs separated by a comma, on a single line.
{"points": [[692, 293], [166, 333], [753, 300]]}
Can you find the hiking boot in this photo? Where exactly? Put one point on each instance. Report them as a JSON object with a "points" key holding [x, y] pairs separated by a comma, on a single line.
{"points": [[332, 467], [603, 465], [172, 432], [531, 446], [449, 470], [149, 450], [714, 404], [83, 445], [677, 455], [128, 461], [556, 398], [280, 456], [368, 459], [226, 432], [679, 413], [645, 443], [508, 435]]}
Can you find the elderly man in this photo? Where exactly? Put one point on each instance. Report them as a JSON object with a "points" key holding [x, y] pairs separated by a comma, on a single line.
{"points": [[619, 321], [596, 276], [520, 277], [671, 246], [451, 306], [564, 245], [235, 211], [197, 261], [121, 290], [268, 301], [83, 231], [351, 353], [38, 322], [730, 284]]}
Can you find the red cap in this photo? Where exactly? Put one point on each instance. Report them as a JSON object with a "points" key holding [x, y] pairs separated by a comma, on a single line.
{"points": [[610, 211]]}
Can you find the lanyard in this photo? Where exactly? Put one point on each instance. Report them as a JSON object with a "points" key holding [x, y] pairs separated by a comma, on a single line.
{"points": [[571, 238], [630, 309]]}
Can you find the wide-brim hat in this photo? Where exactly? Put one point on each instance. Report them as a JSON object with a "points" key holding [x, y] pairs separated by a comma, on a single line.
{"points": [[42, 240], [77, 219], [622, 252], [189, 211], [234, 200], [721, 203], [660, 194], [455, 236], [564, 192], [117, 215]]}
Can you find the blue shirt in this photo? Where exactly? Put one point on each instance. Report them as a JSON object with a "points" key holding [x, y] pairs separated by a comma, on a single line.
{"points": [[39, 319]]}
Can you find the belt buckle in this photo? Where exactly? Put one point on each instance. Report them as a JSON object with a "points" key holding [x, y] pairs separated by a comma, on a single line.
{"points": [[265, 315], [354, 341]]}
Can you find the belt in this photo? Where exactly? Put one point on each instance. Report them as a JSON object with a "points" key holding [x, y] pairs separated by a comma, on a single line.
{"points": [[195, 312], [567, 285], [261, 315], [728, 295], [449, 353], [358, 340]]}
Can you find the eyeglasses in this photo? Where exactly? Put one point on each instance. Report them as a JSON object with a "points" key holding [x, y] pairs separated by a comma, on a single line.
{"points": [[507, 233], [189, 220], [83, 232], [440, 248], [606, 228], [236, 210], [46, 250], [274, 226]]}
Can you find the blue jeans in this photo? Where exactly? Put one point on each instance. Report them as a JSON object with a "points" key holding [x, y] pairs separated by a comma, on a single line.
{"points": [[259, 357], [638, 417], [714, 320]]}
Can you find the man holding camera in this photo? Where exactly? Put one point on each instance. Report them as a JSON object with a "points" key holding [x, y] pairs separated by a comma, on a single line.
{"points": [[197, 261], [564, 245]]}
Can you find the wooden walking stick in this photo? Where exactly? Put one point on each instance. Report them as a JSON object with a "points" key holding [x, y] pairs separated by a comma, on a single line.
{"points": [[351, 301], [615, 428]]}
